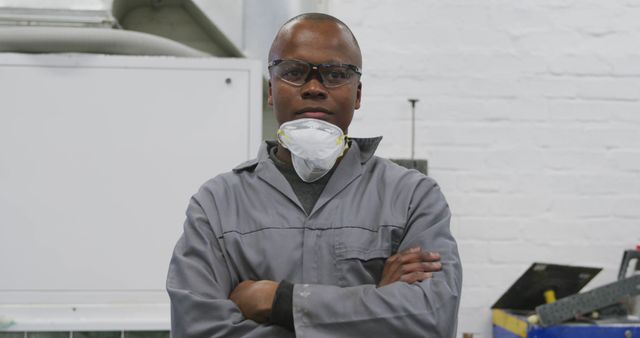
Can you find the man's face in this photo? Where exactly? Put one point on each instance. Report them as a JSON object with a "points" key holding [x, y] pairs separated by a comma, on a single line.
{"points": [[316, 42]]}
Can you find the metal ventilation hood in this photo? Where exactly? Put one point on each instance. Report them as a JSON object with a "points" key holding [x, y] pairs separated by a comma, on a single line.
{"points": [[227, 28], [144, 27]]}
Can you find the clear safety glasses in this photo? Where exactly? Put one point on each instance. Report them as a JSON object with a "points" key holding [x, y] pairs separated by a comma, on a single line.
{"points": [[297, 73]]}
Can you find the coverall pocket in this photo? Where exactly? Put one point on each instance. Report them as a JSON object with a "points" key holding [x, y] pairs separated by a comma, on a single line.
{"points": [[360, 256]]}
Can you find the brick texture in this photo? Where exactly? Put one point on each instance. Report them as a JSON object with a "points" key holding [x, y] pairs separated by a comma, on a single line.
{"points": [[529, 116]]}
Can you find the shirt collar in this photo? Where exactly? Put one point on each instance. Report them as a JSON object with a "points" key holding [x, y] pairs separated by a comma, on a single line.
{"points": [[366, 147]]}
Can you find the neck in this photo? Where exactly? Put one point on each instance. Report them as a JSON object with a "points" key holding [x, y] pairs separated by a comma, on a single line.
{"points": [[283, 154]]}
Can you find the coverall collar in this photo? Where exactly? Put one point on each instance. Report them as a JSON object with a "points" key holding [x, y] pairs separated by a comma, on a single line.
{"points": [[350, 167]]}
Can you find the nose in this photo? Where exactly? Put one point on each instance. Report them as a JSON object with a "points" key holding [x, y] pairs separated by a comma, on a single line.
{"points": [[313, 90]]}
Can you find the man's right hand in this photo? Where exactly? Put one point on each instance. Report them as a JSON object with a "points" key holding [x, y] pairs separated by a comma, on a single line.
{"points": [[410, 266]]}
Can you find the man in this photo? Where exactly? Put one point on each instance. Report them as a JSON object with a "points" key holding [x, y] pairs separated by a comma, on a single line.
{"points": [[316, 237]]}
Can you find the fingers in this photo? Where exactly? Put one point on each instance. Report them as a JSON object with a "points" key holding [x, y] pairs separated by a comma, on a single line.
{"points": [[429, 256], [419, 267], [410, 266], [415, 277], [415, 255]]}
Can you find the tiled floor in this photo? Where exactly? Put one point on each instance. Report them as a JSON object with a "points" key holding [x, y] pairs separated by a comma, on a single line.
{"points": [[104, 334], [90, 334], [146, 334], [48, 335]]}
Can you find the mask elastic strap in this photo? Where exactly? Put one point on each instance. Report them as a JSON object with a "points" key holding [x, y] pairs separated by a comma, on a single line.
{"points": [[346, 140], [281, 135]]}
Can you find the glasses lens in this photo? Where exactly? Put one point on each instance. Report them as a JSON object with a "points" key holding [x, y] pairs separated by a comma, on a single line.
{"points": [[336, 75], [294, 72]]}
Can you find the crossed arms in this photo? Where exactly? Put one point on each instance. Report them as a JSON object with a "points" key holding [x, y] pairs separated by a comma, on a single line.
{"points": [[255, 298], [417, 295]]}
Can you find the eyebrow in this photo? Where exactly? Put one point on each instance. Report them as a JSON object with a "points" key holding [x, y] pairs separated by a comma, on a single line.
{"points": [[331, 61]]}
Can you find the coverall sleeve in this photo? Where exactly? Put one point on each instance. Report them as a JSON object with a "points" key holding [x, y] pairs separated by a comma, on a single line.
{"points": [[425, 309], [199, 284]]}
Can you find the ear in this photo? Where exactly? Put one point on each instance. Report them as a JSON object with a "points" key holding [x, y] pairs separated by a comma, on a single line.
{"points": [[269, 95], [358, 95]]}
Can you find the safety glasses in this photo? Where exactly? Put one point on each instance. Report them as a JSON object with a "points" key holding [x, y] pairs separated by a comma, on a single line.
{"points": [[297, 73]]}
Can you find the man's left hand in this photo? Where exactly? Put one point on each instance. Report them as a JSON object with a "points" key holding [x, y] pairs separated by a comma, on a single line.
{"points": [[254, 298], [410, 266]]}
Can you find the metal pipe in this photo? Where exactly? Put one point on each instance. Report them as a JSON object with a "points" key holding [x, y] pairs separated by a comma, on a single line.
{"points": [[90, 40], [413, 127]]}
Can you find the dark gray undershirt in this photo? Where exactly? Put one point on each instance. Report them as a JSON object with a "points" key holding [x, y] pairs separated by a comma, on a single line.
{"points": [[307, 193]]}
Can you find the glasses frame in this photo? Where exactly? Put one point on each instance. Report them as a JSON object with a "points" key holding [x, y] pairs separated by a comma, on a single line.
{"points": [[315, 67]]}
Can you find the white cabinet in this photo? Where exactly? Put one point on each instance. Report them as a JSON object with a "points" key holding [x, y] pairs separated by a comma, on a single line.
{"points": [[98, 158]]}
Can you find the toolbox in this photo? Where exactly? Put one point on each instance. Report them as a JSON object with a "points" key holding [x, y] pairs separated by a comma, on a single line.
{"points": [[529, 308]]}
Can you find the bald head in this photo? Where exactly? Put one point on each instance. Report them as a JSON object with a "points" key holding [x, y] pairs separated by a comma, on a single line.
{"points": [[290, 28], [316, 39]]}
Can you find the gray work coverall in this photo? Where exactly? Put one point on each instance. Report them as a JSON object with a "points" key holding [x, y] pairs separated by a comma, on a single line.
{"points": [[249, 225]]}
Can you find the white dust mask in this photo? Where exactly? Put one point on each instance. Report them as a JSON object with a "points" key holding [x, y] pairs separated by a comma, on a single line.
{"points": [[315, 145]]}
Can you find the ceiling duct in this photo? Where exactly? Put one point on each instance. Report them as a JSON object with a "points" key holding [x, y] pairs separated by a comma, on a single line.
{"points": [[135, 27], [53, 17], [178, 20], [89, 40]]}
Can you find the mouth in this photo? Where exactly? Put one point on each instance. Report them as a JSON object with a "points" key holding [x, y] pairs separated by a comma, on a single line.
{"points": [[312, 112]]}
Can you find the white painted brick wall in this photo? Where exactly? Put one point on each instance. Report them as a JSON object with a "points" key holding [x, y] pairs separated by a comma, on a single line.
{"points": [[529, 115]]}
